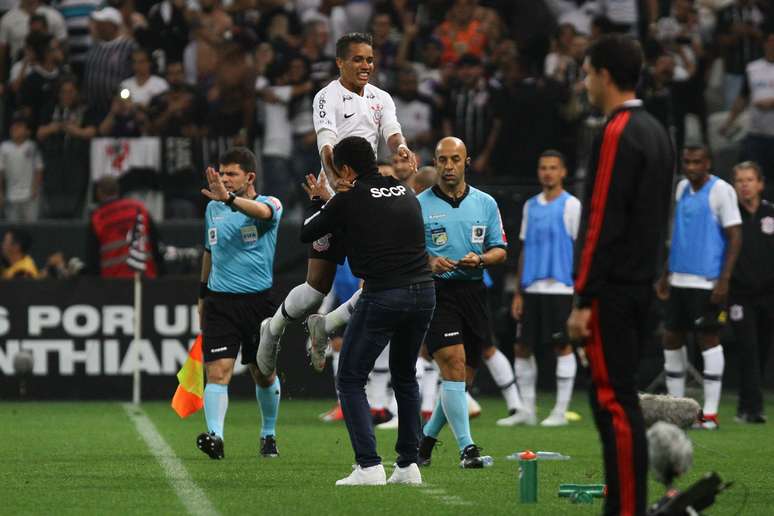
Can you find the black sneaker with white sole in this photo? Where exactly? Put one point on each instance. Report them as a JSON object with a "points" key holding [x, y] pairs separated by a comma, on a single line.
{"points": [[210, 444], [470, 457], [426, 446], [269, 447]]}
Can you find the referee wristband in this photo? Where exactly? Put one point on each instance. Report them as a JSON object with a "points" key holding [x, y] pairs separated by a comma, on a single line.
{"points": [[203, 290]]}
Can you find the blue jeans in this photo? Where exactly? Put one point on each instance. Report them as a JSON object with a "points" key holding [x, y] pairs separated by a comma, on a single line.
{"points": [[399, 316]]}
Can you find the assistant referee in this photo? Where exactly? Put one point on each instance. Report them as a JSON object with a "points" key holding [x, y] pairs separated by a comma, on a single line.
{"points": [[623, 225], [381, 223]]}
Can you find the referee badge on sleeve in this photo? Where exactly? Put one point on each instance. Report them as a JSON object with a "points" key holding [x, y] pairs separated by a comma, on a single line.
{"points": [[439, 236], [477, 234], [212, 236]]}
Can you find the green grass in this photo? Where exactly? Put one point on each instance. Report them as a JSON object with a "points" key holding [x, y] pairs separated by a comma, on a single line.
{"points": [[87, 458]]}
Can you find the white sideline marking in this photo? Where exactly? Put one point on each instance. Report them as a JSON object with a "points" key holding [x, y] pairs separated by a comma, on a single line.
{"points": [[193, 499], [440, 495]]}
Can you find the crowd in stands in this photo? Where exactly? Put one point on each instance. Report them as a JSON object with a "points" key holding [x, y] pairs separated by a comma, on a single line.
{"points": [[504, 75]]}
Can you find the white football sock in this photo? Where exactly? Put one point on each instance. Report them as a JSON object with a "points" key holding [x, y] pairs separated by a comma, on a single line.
{"points": [[714, 364], [429, 386], [420, 369], [525, 370], [376, 390], [675, 364], [302, 301], [502, 374], [566, 367], [339, 317]]}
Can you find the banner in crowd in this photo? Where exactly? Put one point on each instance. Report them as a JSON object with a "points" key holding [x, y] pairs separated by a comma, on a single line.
{"points": [[78, 334], [115, 156]]}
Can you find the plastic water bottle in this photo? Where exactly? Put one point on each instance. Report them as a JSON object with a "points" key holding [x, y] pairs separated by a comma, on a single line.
{"points": [[528, 477]]}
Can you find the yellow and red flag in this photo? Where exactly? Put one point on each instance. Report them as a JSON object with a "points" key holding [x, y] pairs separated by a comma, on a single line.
{"points": [[188, 397]]}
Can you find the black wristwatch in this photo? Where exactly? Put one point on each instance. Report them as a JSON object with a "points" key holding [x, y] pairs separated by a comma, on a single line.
{"points": [[230, 201], [480, 261]]}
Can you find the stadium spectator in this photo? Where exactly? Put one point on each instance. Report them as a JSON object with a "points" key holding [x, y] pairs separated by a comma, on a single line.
{"points": [[168, 27], [561, 65], [416, 113], [15, 253], [470, 112], [108, 61], [124, 120], [208, 30], [37, 92], [63, 136], [306, 157], [461, 34], [751, 294], [428, 67], [135, 24], [385, 47], [77, 15], [322, 67], [179, 111], [654, 88], [110, 224], [738, 33], [758, 91], [143, 85], [21, 166]]}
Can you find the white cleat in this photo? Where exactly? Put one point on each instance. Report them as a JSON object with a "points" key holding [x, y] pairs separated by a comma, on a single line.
{"points": [[392, 424], [520, 417], [474, 409], [555, 419], [373, 476], [408, 475], [268, 349], [318, 338]]}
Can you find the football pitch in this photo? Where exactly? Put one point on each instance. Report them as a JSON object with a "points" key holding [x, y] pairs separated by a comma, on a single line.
{"points": [[112, 458]]}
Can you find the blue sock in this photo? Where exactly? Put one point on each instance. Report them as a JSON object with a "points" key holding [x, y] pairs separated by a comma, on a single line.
{"points": [[436, 422], [215, 406], [268, 401], [455, 405]]}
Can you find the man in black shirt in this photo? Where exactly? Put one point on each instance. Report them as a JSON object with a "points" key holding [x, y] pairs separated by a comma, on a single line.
{"points": [[380, 221], [751, 293]]}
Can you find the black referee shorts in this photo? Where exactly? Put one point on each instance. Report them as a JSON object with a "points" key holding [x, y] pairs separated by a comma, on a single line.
{"points": [[232, 321], [461, 317], [544, 320], [686, 307], [329, 248]]}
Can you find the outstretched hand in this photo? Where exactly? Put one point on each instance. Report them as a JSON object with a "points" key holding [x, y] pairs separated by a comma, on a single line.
{"points": [[216, 191], [317, 187]]}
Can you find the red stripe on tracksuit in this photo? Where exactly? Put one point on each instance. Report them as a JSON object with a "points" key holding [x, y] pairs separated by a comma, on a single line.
{"points": [[622, 428], [599, 198]]}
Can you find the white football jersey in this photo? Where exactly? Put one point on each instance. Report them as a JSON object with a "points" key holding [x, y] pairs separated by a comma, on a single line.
{"points": [[346, 113]]}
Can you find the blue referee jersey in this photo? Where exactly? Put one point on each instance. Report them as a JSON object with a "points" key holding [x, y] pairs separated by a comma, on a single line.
{"points": [[242, 247], [456, 227]]}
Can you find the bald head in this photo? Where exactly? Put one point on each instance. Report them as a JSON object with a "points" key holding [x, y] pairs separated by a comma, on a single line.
{"points": [[451, 157], [425, 178], [107, 188]]}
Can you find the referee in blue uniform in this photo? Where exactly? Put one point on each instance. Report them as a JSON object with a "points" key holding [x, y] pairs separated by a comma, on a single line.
{"points": [[235, 295], [463, 234]]}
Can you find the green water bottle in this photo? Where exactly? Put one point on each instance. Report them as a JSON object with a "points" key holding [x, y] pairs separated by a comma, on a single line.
{"points": [[528, 477]]}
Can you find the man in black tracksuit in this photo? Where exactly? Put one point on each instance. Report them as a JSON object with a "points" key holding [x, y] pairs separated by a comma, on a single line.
{"points": [[751, 293], [380, 221], [623, 226]]}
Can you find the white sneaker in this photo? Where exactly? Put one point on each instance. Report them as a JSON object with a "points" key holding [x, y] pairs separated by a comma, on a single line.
{"points": [[474, 409], [555, 419], [520, 417], [408, 475], [392, 424], [315, 325], [372, 476], [268, 349]]}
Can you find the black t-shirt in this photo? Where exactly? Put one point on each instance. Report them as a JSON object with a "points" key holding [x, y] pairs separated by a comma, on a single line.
{"points": [[380, 221], [753, 272]]}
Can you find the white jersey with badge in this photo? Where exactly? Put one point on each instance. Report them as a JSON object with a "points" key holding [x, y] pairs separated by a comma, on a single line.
{"points": [[345, 113]]}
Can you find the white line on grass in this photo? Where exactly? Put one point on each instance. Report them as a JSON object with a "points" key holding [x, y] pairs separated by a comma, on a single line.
{"points": [[192, 497], [440, 495]]}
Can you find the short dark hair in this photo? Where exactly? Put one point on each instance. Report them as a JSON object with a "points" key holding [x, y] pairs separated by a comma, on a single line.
{"points": [[748, 165], [21, 238], [698, 147], [356, 152], [352, 38], [553, 153], [621, 56], [241, 156]]}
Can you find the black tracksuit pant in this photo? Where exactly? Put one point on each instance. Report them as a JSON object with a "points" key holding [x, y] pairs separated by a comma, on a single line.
{"points": [[618, 318]]}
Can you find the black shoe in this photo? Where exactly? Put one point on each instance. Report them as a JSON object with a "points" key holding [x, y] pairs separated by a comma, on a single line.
{"points": [[269, 447], [425, 451], [381, 416], [210, 444], [750, 418], [470, 458]]}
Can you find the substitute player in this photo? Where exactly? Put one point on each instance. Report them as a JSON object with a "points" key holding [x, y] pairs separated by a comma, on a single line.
{"points": [[347, 106], [706, 239], [241, 235], [623, 225], [463, 234], [543, 297]]}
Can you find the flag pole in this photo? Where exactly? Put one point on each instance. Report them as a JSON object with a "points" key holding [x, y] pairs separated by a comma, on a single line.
{"points": [[137, 336]]}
